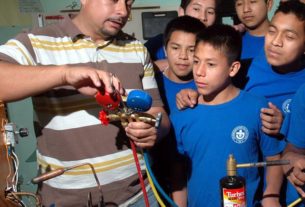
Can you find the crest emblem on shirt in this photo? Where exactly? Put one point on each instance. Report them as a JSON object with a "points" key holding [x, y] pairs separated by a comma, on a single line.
{"points": [[240, 134], [286, 106]]}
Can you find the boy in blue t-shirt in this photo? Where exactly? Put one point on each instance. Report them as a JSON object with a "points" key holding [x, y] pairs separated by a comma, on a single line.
{"points": [[179, 38], [225, 121], [254, 16], [293, 128], [204, 10]]}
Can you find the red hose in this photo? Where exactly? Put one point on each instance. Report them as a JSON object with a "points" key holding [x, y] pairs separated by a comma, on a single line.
{"points": [[135, 156]]}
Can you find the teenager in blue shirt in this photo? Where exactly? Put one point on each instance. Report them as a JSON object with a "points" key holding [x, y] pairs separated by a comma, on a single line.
{"points": [[279, 70], [254, 16], [225, 121], [204, 10], [179, 39], [293, 128]]}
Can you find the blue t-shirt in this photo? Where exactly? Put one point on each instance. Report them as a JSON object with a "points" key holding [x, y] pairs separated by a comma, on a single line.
{"points": [[161, 54], [251, 45], [207, 134], [293, 129], [168, 90], [277, 88], [296, 120]]}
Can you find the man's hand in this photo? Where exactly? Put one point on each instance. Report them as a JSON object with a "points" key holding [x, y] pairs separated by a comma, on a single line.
{"points": [[186, 98], [142, 134], [145, 135], [272, 119], [88, 80]]}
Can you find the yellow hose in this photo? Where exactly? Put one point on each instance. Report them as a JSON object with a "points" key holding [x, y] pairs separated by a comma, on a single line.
{"points": [[154, 190], [297, 201]]}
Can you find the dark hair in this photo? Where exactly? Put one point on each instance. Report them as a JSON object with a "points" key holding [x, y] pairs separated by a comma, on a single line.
{"points": [[237, 0], [222, 37], [183, 23], [185, 3], [295, 7]]}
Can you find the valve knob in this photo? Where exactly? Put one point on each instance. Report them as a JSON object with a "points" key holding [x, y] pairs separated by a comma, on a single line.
{"points": [[103, 117], [23, 132]]}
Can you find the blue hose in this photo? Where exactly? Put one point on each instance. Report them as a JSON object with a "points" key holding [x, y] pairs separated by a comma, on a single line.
{"points": [[159, 188]]}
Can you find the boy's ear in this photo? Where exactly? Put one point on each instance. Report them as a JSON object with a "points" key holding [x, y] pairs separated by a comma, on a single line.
{"points": [[269, 4], [235, 66], [181, 11]]}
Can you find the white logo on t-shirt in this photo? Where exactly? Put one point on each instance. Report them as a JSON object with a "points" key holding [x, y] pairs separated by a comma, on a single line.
{"points": [[286, 106], [240, 134]]}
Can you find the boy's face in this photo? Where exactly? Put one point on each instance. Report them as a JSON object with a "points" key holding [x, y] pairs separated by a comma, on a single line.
{"points": [[211, 70], [204, 10], [180, 52], [285, 40], [252, 13]]}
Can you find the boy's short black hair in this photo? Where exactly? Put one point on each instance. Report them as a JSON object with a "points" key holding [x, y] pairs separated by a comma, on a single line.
{"points": [[224, 38], [183, 23], [184, 4], [237, 0], [295, 7]]}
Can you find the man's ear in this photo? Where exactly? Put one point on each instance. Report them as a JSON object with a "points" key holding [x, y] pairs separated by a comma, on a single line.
{"points": [[235, 66], [181, 11]]}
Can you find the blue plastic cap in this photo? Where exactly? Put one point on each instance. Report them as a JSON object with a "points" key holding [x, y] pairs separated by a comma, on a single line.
{"points": [[139, 100]]}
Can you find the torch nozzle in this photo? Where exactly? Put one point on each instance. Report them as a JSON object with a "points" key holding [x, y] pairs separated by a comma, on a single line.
{"points": [[263, 164]]}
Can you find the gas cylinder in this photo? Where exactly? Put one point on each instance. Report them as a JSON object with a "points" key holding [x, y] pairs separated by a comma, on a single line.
{"points": [[232, 187]]}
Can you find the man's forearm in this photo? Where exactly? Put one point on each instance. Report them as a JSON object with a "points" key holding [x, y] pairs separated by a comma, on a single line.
{"points": [[18, 82]]}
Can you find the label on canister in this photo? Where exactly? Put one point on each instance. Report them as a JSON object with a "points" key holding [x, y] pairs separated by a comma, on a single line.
{"points": [[234, 197]]}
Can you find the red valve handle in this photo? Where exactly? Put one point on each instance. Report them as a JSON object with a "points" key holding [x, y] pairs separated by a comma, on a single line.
{"points": [[103, 117], [108, 101]]}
